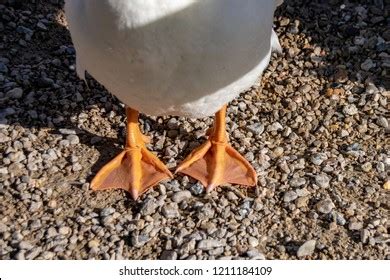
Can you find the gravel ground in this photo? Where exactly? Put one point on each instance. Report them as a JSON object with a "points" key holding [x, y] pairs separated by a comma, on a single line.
{"points": [[316, 129]]}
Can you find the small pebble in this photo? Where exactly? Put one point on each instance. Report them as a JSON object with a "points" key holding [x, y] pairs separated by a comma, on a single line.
{"points": [[322, 180], [73, 139], [355, 226], [168, 255], [15, 93], [350, 110], [307, 248], [93, 243], [254, 254], [254, 242], [170, 211], [290, 196], [318, 158], [383, 122], [64, 230], [256, 129], [367, 167], [209, 244], [325, 206], [181, 196]]}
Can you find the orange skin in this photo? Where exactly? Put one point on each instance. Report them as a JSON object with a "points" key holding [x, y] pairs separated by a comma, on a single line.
{"points": [[215, 162], [136, 169]]}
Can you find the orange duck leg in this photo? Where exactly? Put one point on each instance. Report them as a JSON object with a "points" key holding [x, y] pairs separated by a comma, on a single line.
{"points": [[215, 162], [135, 169]]}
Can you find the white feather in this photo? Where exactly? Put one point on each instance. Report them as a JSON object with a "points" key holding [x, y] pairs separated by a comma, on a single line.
{"points": [[173, 57], [275, 43], [279, 2]]}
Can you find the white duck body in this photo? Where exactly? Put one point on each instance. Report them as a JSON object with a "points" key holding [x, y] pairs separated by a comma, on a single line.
{"points": [[173, 57]]}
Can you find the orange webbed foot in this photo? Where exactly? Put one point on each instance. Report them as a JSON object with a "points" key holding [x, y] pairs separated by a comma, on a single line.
{"points": [[135, 169], [215, 162]]}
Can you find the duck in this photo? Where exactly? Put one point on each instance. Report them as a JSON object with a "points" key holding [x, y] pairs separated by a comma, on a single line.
{"points": [[186, 58]]}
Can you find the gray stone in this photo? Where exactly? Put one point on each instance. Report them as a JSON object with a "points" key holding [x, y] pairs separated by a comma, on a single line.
{"points": [[350, 109], [15, 93], [35, 206], [173, 123], [307, 248], [355, 225], [51, 232], [67, 131], [33, 253], [73, 139], [94, 243], [64, 230], [3, 68], [3, 170], [254, 242], [20, 255], [16, 156], [344, 133], [148, 207], [181, 196], [3, 227], [170, 211], [64, 143], [231, 196], [138, 240], [340, 219], [284, 22], [290, 196], [168, 255], [208, 244], [322, 180], [254, 254], [367, 167], [41, 26], [25, 245], [325, 206], [304, 88], [367, 65], [47, 255], [364, 235], [107, 212], [256, 128], [318, 158], [197, 189], [302, 192], [297, 182], [4, 138], [383, 122], [276, 126], [77, 167]]}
